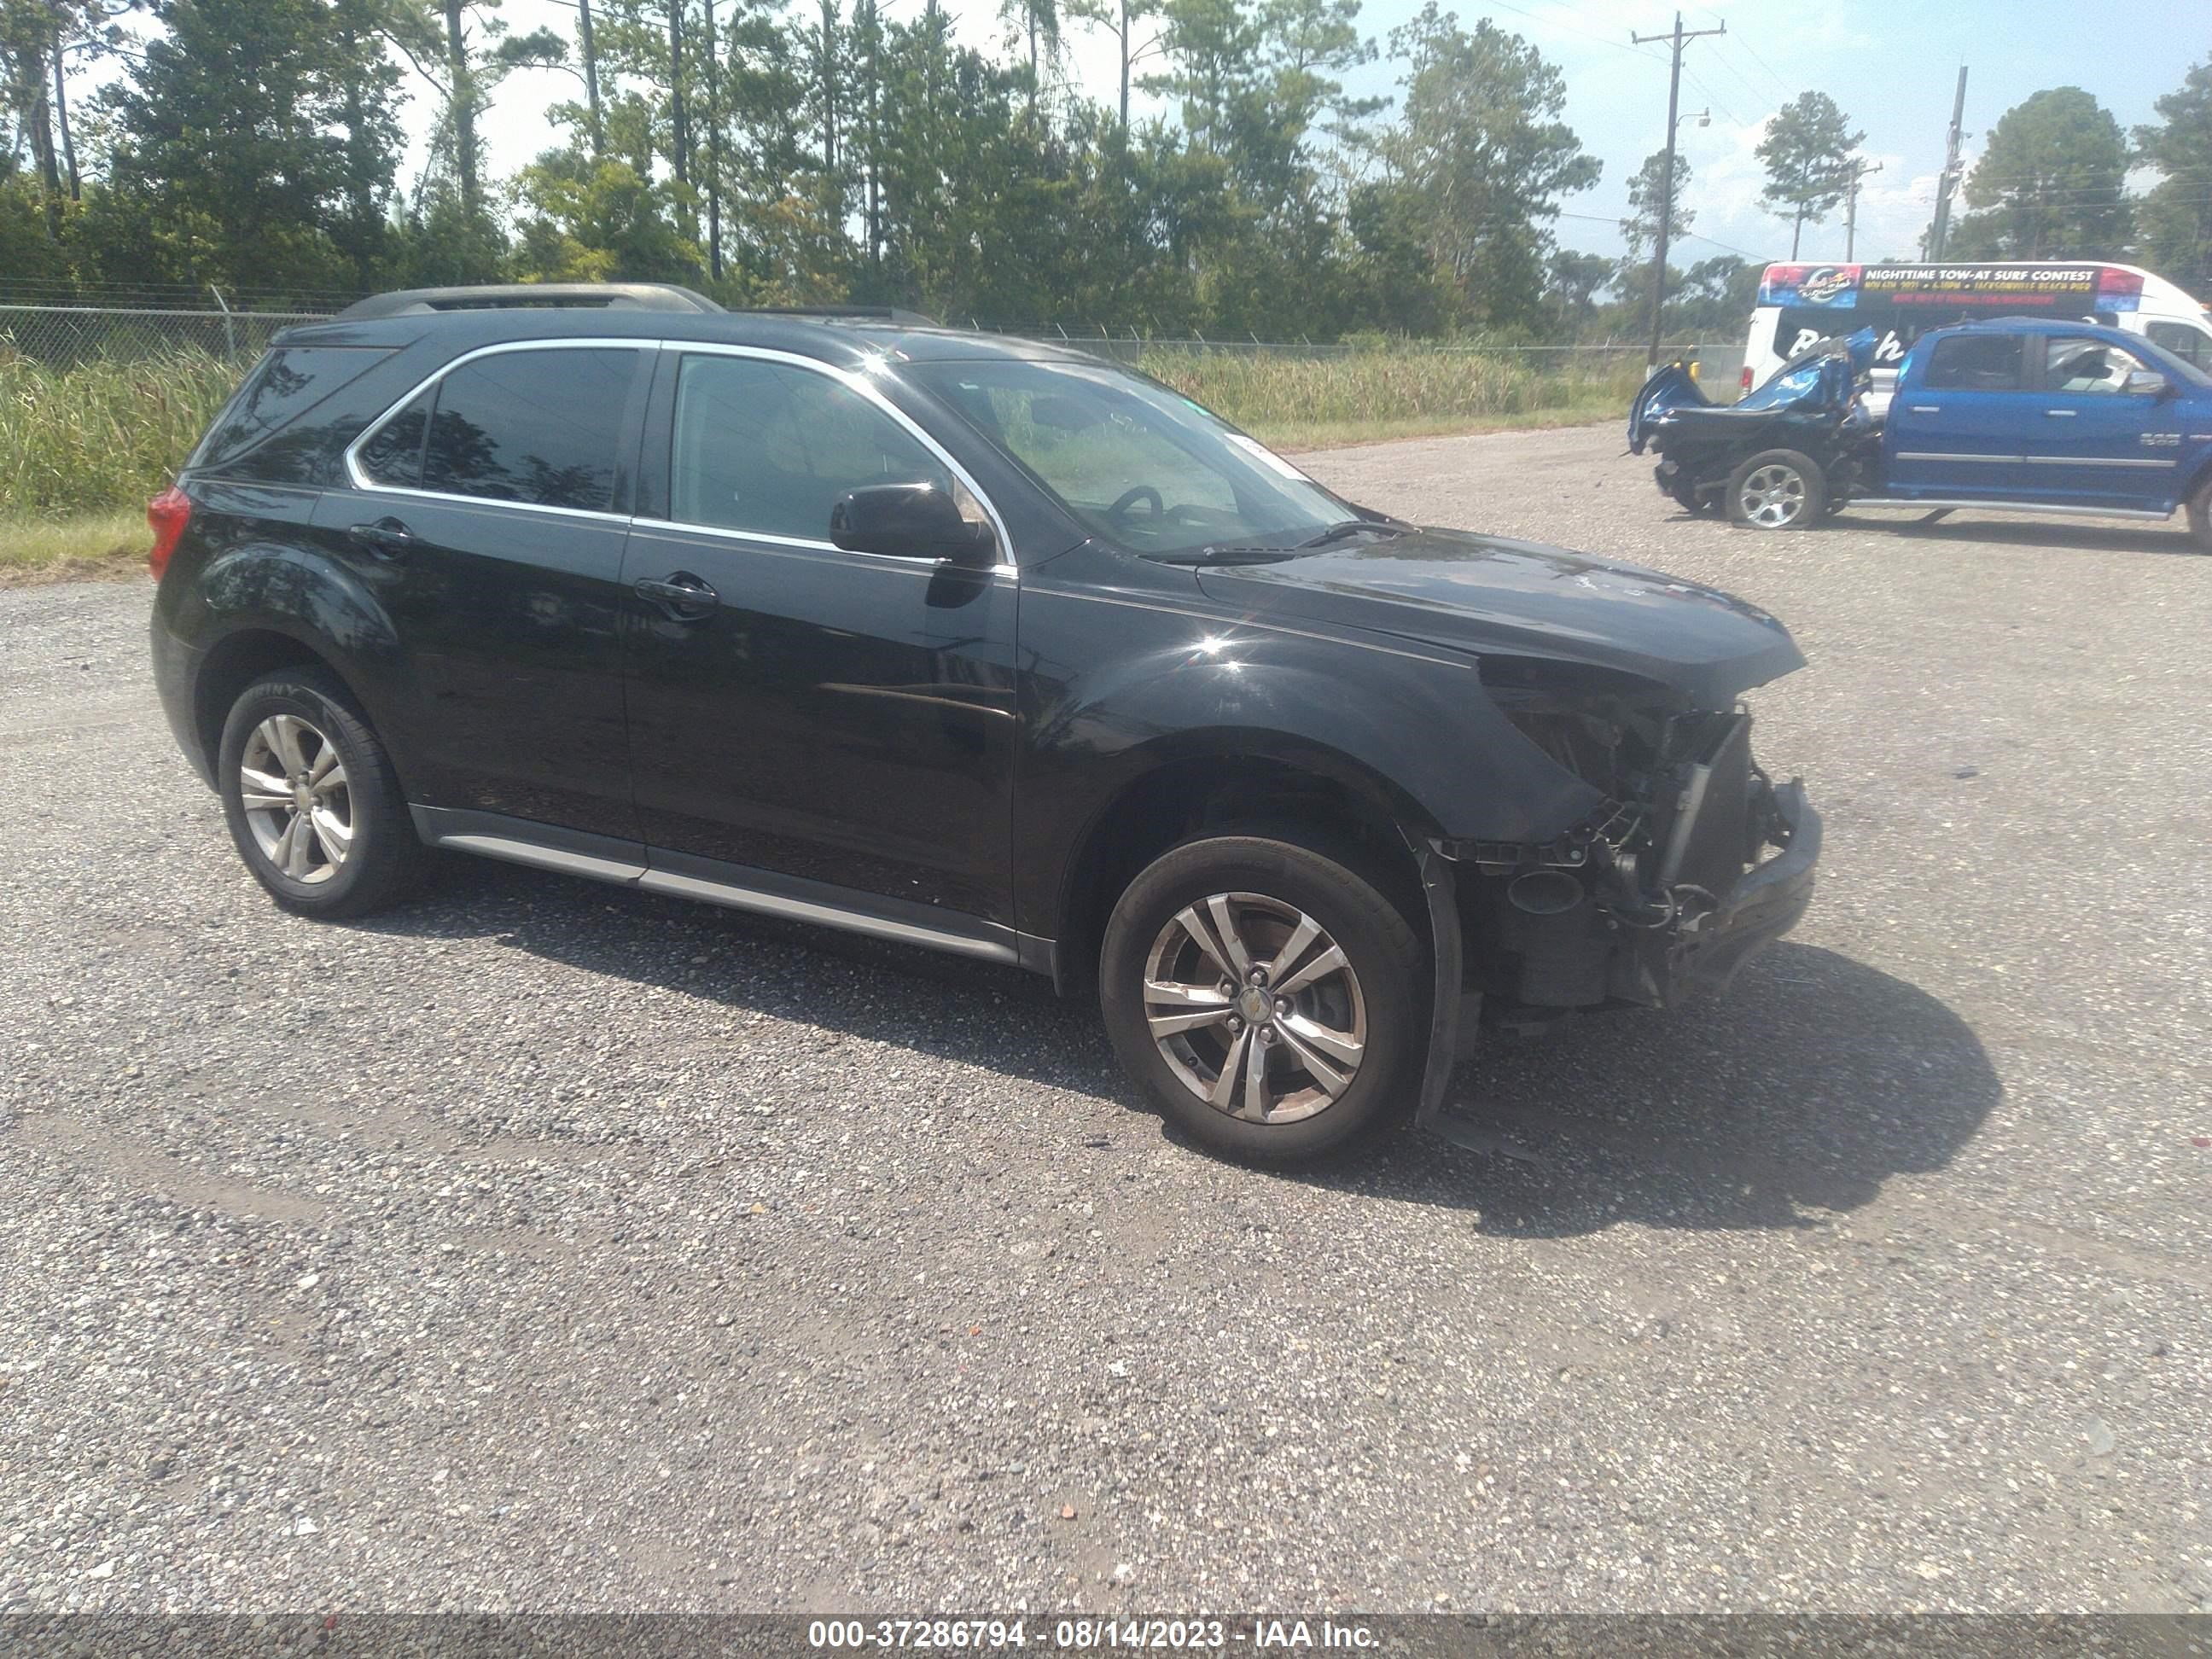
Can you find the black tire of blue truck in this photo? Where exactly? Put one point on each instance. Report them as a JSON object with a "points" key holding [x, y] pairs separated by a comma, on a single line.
{"points": [[2200, 517]]}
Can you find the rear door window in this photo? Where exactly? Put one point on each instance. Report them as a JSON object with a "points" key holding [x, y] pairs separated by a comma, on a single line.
{"points": [[1975, 362], [544, 427]]}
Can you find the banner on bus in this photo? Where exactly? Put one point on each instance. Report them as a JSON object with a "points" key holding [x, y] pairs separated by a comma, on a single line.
{"points": [[2063, 290]]}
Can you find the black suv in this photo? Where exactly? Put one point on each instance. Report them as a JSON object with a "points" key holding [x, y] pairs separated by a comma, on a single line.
{"points": [[978, 644]]}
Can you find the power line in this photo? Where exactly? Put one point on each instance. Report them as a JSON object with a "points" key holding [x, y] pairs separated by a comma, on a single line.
{"points": [[1687, 235], [1576, 28], [1698, 81], [1745, 42]]}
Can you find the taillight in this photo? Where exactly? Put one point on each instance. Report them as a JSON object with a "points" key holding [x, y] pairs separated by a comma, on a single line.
{"points": [[1745, 385], [168, 513]]}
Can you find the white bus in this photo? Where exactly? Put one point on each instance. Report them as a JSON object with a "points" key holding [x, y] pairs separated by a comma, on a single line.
{"points": [[1799, 303]]}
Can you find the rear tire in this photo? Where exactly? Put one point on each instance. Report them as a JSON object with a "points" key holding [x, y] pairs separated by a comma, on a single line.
{"points": [[1778, 489], [2200, 517], [1339, 1048], [312, 802]]}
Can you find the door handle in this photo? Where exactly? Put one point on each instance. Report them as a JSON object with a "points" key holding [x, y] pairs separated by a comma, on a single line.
{"points": [[683, 596], [1927, 409], [2061, 414], [388, 537]]}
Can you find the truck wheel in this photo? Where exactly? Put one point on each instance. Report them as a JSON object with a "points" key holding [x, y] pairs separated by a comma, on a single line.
{"points": [[1266, 998], [311, 798], [1776, 489], [2200, 517]]}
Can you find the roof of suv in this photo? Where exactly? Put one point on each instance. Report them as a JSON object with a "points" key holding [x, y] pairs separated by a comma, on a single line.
{"points": [[469, 318]]}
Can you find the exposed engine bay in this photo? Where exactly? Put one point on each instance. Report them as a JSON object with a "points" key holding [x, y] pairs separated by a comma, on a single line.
{"points": [[1667, 887]]}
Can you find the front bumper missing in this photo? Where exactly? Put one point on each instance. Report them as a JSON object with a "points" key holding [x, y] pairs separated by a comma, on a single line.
{"points": [[1767, 901]]}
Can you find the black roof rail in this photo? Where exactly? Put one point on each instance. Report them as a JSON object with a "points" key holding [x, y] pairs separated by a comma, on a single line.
{"points": [[494, 296], [848, 314]]}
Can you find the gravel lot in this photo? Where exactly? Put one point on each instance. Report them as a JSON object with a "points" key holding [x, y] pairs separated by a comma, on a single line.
{"points": [[544, 1246]]}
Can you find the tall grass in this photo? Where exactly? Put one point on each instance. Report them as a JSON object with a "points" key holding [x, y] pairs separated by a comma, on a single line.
{"points": [[102, 435], [1380, 393]]}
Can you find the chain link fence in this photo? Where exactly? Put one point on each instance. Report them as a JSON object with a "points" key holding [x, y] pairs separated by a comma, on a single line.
{"points": [[61, 335]]}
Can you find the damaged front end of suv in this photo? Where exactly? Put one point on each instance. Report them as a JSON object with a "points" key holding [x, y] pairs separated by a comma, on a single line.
{"points": [[1692, 860]]}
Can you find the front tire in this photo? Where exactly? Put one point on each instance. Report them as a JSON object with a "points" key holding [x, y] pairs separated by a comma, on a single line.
{"points": [[312, 802], [1776, 489], [1316, 1041]]}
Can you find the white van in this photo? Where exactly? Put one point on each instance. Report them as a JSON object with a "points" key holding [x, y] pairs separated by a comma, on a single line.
{"points": [[1801, 303]]}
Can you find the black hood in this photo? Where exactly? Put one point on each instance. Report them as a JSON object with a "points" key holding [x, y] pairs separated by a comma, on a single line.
{"points": [[1486, 594]]}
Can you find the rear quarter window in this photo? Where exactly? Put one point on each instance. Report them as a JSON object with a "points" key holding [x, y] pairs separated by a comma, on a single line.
{"points": [[249, 438], [1974, 362]]}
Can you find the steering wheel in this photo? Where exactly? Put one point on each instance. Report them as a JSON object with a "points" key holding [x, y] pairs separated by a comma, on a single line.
{"points": [[1129, 498]]}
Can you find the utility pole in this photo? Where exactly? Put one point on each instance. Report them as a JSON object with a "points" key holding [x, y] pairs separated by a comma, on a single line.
{"points": [[591, 71], [1944, 185], [1859, 170], [1676, 40]]}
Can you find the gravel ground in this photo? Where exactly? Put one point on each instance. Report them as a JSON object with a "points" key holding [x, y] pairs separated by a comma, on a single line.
{"points": [[542, 1246]]}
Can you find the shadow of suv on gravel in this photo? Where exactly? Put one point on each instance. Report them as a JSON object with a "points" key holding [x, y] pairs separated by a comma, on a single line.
{"points": [[978, 644]]}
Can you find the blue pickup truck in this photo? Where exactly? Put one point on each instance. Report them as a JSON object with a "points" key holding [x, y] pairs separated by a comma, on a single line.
{"points": [[2014, 415]]}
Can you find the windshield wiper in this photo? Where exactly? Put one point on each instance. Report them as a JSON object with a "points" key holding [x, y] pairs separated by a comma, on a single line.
{"points": [[1337, 532]]}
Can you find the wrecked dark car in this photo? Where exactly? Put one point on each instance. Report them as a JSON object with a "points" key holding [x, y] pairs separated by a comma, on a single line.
{"points": [[1784, 457], [971, 644]]}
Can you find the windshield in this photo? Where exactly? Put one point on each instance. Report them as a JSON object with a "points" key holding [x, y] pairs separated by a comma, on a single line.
{"points": [[1133, 462]]}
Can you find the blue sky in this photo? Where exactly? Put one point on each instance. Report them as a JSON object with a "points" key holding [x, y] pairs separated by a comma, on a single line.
{"points": [[1890, 63]]}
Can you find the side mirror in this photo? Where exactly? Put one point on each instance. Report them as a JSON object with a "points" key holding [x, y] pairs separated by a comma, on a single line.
{"points": [[908, 521], [2143, 383]]}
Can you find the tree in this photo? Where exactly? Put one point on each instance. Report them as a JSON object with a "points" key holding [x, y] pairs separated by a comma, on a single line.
{"points": [[1574, 282], [36, 37], [2174, 217], [256, 143], [1483, 158], [1039, 20], [2051, 183], [1121, 19], [1717, 294], [1639, 230], [591, 221], [1808, 152]]}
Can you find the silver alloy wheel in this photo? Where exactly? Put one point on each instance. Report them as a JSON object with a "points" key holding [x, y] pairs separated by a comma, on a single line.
{"points": [[1255, 1007], [293, 786], [1773, 495]]}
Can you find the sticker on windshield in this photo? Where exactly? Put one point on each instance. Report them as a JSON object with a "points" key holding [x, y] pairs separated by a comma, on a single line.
{"points": [[1267, 457]]}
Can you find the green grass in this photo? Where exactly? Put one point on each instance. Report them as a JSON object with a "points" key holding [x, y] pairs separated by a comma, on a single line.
{"points": [[82, 545], [1311, 403], [81, 447]]}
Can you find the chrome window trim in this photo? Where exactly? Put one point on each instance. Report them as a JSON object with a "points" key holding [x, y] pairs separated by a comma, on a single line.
{"points": [[854, 380], [361, 480], [761, 540]]}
